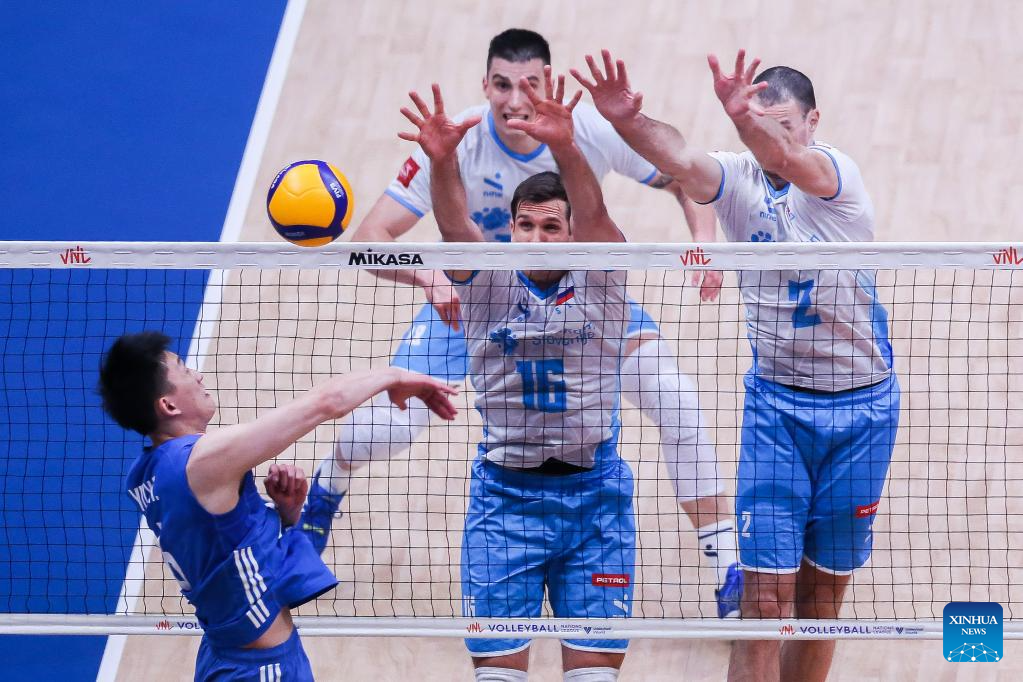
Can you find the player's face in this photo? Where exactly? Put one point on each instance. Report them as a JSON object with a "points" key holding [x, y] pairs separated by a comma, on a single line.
{"points": [[790, 115], [543, 222], [187, 392], [506, 97]]}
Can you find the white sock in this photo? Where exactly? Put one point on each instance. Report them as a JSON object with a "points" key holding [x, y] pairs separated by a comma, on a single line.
{"points": [[591, 675], [718, 547], [500, 675], [371, 433]]}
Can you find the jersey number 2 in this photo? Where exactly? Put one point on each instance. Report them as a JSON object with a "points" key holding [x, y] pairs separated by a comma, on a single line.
{"points": [[543, 387], [799, 292]]}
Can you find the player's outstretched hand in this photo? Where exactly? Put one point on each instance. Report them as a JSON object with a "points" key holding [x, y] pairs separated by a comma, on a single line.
{"points": [[552, 119], [736, 90], [287, 486], [438, 135], [610, 89], [436, 394]]}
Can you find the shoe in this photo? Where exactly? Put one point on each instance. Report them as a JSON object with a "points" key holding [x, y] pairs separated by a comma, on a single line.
{"points": [[318, 514], [730, 594]]}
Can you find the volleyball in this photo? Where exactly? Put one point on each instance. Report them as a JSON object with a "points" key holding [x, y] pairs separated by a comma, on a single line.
{"points": [[310, 203]]}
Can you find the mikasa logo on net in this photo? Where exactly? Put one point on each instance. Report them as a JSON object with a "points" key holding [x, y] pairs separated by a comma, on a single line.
{"points": [[369, 257]]}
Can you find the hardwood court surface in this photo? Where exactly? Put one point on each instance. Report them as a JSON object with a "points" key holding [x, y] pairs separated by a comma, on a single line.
{"points": [[925, 96]]}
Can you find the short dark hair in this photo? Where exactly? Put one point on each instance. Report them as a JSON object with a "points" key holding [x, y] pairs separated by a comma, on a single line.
{"points": [[132, 375], [785, 84], [536, 189], [519, 45]]}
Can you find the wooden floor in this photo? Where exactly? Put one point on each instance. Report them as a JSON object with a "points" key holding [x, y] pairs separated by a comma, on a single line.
{"points": [[925, 95]]}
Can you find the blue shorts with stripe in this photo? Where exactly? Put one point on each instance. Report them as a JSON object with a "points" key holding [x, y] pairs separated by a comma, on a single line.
{"points": [[285, 662], [811, 470], [431, 347], [573, 535]]}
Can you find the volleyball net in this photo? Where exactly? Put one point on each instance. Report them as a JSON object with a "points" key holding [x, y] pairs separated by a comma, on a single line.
{"points": [[264, 322]]}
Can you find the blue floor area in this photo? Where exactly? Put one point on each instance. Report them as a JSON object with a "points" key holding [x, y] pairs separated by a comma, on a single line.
{"points": [[123, 121]]}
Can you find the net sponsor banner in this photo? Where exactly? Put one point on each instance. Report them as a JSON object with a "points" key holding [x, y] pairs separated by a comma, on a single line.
{"points": [[502, 628], [489, 256]]}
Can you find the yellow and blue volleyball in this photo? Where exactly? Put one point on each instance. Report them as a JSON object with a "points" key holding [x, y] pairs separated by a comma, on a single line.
{"points": [[310, 203]]}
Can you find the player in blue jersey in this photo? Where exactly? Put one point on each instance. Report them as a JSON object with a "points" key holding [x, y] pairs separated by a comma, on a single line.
{"points": [[494, 157], [240, 564], [822, 400], [550, 506]]}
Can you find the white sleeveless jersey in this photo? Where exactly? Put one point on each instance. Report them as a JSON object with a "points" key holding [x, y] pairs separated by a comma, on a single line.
{"points": [[818, 329], [545, 364], [491, 172]]}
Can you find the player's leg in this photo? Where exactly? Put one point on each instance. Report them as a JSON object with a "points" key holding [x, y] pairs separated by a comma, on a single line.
{"points": [[773, 496], [503, 565], [379, 431], [651, 380], [766, 595], [593, 574], [819, 594]]}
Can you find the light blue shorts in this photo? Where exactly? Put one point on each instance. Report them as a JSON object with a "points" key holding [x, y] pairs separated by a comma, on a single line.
{"points": [[811, 470], [573, 535]]}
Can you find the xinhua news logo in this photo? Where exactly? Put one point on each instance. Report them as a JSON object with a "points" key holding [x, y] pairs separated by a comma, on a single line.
{"points": [[973, 632]]}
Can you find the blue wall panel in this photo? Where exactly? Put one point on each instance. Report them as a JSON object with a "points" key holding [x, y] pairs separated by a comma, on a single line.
{"points": [[123, 121]]}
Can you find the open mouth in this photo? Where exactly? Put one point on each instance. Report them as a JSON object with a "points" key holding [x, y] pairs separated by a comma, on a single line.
{"points": [[519, 117]]}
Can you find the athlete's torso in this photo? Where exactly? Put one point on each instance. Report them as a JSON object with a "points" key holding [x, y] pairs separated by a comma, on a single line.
{"points": [[545, 364], [237, 569], [818, 329]]}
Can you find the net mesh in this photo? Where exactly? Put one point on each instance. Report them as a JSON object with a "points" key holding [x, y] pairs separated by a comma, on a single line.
{"points": [[947, 528]]}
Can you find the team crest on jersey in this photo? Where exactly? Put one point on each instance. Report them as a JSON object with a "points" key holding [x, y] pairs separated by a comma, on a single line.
{"points": [[490, 219], [407, 172], [505, 338]]}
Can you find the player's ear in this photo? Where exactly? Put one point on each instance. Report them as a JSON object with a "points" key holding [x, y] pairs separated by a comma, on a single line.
{"points": [[813, 117], [165, 407]]}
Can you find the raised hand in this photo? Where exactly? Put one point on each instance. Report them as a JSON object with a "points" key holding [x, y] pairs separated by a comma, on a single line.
{"points": [[736, 91], [438, 135], [610, 89], [436, 394], [552, 120], [287, 486]]}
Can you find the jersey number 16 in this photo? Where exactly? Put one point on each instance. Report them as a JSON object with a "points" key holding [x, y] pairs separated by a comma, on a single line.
{"points": [[543, 387]]}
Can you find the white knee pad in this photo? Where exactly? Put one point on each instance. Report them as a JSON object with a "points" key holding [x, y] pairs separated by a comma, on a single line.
{"points": [[652, 381], [500, 675], [591, 675], [378, 431]]}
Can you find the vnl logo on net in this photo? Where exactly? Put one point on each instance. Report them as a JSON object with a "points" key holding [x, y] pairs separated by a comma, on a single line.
{"points": [[972, 632]]}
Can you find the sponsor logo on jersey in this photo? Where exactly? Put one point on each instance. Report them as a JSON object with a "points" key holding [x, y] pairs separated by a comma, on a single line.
{"points": [[497, 191], [75, 256], [407, 172], [610, 580], [491, 219], [1009, 256], [370, 257], [866, 510]]}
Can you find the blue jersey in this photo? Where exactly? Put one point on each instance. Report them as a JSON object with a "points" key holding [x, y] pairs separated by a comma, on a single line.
{"points": [[237, 569]]}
